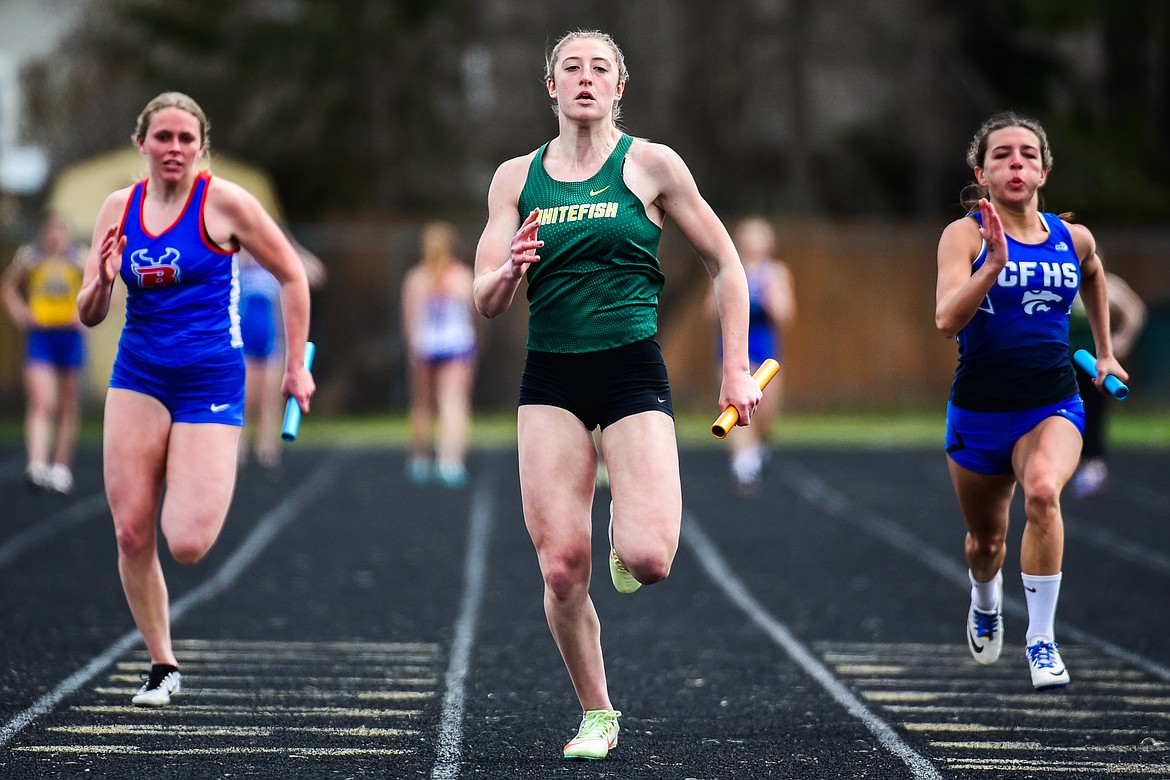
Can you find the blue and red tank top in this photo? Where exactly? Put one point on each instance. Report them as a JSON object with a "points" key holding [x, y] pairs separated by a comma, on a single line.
{"points": [[182, 290]]}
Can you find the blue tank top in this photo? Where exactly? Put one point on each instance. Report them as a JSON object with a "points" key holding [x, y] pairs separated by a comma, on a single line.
{"points": [[1013, 354], [762, 341], [182, 291]]}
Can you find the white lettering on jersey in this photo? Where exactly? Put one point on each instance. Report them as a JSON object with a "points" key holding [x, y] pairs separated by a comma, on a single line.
{"points": [[1028, 273]]}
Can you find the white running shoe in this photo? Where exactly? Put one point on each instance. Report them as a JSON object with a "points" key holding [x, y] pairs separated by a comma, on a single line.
{"points": [[985, 635], [1048, 669], [37, 475], [164, 682], [59, 479]]}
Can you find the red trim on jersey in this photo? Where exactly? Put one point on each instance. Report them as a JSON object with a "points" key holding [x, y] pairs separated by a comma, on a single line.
{"points": [[126, 211], [142, 210], [207, 240]]}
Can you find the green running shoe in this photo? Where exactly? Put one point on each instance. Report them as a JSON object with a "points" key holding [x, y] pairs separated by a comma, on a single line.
{"points": [[596, 736], [622, 579]]}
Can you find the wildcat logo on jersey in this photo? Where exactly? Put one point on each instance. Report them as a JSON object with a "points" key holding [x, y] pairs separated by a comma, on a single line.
{"points": [[162, 272], [1038, 300]]}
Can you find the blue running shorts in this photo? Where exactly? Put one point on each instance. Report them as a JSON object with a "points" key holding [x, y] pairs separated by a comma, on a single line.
{"points": [[211, 391], [983, 441], [59, 347]]}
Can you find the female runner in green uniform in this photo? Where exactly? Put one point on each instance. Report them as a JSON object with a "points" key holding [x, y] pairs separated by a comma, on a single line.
{"points": [[597, 199]]}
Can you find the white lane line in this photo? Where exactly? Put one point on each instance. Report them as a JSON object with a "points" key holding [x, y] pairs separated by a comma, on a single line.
{"points": [[128, 750], [995, 768], [1145, 496], [252, 665], [924, 683], [449, 750], [1055, 714], [816, 492], [1046, 729], [88, 508], [246, 681], [1127, 550], [228, 711], [1000, 699], [717, 570], [265, 531], [1089, 531], [312, 651], [1027, 745], [278, 694], [1154, 703], [173, 730]]}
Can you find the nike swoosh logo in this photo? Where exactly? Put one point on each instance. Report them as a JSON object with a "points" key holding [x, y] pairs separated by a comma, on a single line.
{"points": [[595, 193], [661, 400], [1030, 590], [217, 408]]}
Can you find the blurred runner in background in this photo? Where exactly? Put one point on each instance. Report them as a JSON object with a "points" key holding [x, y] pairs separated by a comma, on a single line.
{"points": [[438, 319], [40, 289], [1127, 317]]}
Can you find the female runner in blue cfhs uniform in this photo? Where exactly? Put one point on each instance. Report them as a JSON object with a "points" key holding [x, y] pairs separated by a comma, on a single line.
{"points": [[1007, 277]]}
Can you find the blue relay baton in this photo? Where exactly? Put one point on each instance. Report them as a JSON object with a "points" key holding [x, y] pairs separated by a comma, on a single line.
{"points": [[292, 410], [1114, 386]]}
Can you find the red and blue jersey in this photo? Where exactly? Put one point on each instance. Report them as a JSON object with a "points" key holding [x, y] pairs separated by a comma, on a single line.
{"points": [[182, 290], [1013, 354]]}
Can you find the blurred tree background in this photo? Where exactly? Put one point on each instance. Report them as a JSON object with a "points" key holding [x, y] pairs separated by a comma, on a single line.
{"points": [[373, 106], [846, 123]]}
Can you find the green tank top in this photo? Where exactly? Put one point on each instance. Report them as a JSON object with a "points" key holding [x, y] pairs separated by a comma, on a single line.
{"points": [[597, 283]]}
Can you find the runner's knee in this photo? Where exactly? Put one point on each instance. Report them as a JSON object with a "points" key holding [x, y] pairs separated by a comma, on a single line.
{"points": [[566, 574]]}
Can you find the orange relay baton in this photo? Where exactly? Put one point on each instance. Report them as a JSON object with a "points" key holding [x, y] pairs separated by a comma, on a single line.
{"points": [[764, 374]]}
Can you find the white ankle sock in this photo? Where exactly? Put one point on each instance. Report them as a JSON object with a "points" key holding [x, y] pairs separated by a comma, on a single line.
{"points": [[1041, 591], [987, 596]]}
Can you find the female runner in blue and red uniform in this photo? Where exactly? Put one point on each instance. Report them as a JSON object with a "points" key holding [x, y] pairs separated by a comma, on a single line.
{"points": [[175, 405], [1007, 277]]}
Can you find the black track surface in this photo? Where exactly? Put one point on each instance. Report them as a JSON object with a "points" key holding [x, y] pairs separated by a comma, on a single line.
{"points": [[329, 645]]}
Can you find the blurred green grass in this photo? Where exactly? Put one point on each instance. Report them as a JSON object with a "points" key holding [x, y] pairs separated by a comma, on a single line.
{"points": [[1126, 428], [869, 429]]}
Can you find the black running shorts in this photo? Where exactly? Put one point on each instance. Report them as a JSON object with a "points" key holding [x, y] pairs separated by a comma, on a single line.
{"points": [[599, 388]]}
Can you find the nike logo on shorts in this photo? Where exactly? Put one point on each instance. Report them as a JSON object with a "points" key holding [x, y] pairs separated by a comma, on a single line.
{"points": [[217, 408]]}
